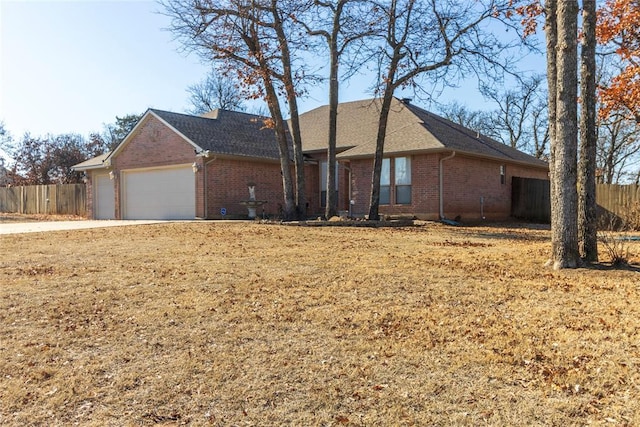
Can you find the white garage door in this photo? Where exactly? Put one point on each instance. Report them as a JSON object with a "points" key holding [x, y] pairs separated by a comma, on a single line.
{"points": [[104, 197], [167, 193]]}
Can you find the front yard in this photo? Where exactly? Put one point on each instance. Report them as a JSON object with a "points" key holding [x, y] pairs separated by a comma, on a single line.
{"points": [[247, 324]]}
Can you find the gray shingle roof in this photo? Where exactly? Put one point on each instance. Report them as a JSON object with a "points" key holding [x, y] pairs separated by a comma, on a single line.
{"points": [[410, 129], [226, 132], [457, 137]]}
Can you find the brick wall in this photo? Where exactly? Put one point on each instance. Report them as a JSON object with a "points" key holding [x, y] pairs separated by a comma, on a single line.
{"points": [[154, 145], [361, 170], [424, 187], [200, 177], [227, 186], [473, 187], [466, 181]]}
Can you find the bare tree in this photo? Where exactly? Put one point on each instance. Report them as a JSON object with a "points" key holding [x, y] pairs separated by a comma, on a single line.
{"points": [[587, 214], [540, 134], [5, 142], [430, 37], [282, 16], [478, 120], [253, 40], [341, 24], [215, 91], [518, 120], [618, 147], [562, 75]]}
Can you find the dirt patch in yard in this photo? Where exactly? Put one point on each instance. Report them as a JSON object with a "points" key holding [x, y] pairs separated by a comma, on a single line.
{"points": [[248, 324]]}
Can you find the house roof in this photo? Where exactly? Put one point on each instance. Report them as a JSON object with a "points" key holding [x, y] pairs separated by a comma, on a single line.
{"points": [[93, 163], [225, 132], [460, 138], [410, 129], [220, 132]]}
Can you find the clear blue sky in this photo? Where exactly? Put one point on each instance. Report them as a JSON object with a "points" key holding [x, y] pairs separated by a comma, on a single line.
{"points": [[71, 66]]}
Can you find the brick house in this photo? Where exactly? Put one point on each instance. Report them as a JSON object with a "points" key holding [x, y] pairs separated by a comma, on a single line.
{"points": [[176, 166], [433, 168]]}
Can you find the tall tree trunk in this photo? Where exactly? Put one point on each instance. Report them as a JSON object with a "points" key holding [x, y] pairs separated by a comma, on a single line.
{"points": [[564, 197], [330, 208], [283, 148], [374, 203], [298, 157], [387, 97], [551, 29], [587, 219], [292, 100]]}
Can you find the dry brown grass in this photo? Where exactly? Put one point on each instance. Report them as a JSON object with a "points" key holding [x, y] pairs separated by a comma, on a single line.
{"points": [[16, 217], [247, 324]]}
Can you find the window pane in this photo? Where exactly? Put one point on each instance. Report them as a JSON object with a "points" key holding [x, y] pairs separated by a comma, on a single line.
{"points": [[403, 170], [385, 176], [403, 194], [385, 195], [323, 175]]}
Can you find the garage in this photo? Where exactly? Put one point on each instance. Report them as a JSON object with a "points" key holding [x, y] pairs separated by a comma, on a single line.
{"points": [[104, 197], [163, 193]]}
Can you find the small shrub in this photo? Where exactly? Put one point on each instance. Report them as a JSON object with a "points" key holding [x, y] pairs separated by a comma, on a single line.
{"points": [[616, 247], [614, 242]]}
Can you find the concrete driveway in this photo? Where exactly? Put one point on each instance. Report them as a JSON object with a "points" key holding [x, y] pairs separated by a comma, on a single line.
{"points": [[36, 227]]}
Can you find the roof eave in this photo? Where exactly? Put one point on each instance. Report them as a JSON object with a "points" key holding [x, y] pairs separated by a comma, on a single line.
{"points": [[505, 159], [448, 150], [397, 152], [324, 150], [90, 167], [244, 157]]}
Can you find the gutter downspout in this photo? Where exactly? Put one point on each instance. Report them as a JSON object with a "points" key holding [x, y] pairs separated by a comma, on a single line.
{"points": [[441, 177]]}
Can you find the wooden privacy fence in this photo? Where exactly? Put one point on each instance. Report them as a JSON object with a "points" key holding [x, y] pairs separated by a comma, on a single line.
{"points": [[531, 199], [61, 199], [620, 203]]}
